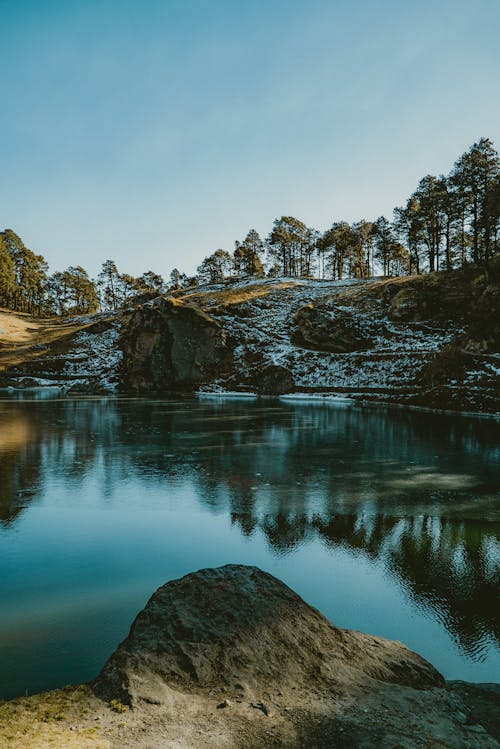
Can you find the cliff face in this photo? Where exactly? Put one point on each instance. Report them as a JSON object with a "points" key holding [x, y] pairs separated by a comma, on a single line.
{"points": [[168, 345]]}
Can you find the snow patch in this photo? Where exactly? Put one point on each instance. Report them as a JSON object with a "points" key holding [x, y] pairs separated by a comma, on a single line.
{"points": [[225, 394], [96, 355]]}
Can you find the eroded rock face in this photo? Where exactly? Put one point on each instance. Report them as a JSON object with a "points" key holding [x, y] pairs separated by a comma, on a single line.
{"points": [[408, 305], [328, 328], [240, 627], [274, 380], [172, 346], [485, 323]]}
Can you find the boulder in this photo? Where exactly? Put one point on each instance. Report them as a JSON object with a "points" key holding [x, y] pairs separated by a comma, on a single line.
{"points": [[328, 328], [408, 304], [169, 345], [241, 628], [484, 328], [273, 380]]}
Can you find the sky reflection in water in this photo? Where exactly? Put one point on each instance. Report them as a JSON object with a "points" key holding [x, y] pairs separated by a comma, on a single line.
{"points": [[387, 521]]}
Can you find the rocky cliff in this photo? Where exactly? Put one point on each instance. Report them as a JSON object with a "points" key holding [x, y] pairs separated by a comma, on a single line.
{"points": [[169, 345], [427, 340]]}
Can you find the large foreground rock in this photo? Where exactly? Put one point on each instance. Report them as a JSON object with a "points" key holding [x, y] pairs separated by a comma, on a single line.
{"points": [[238, 625], [237, 638], [231, 658]]}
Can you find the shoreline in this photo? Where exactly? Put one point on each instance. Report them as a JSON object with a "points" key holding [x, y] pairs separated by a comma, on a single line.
{"points": [[291, 398]]}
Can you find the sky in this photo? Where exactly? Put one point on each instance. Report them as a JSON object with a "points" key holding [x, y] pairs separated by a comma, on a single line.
{"points": [[153, 132]]}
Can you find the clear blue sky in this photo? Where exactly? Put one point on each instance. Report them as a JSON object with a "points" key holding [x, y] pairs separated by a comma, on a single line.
{"points": [[153, 132]]}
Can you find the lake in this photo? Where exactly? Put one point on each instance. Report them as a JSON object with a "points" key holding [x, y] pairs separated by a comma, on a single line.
{"points": [[386, 520]]}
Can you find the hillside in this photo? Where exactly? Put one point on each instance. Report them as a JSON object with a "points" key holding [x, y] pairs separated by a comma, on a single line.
{"points": [[429, 340], [72, 353]]}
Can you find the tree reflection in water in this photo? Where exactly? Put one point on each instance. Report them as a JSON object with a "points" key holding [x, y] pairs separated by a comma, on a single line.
{"points": [[415, 491]]}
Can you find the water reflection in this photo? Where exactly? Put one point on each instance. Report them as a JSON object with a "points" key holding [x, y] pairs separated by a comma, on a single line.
{"points": [[418, 493], [16, 467]]}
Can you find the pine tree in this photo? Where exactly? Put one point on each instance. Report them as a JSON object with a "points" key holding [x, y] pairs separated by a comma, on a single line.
{"points": [[215, 267], [475, 176], [291, 244], [247, 255], [7, 275], [108, 282], [383, 243]]}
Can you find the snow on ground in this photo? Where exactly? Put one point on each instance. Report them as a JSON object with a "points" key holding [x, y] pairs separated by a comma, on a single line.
{"points": [[257, 316], [263, 326], [95, 356], [486, 373]]}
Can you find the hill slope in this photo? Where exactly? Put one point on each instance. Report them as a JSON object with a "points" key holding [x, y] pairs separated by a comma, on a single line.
{"points": [[77, 352], [413, 340], [429, 340]]}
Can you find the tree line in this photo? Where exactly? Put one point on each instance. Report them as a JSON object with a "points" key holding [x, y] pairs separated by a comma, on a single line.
{"points": [[27, 286], [447, 222]]}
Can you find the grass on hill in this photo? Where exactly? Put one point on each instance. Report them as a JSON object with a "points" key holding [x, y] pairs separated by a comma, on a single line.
{"points": [[229, 296], [23, 337]]}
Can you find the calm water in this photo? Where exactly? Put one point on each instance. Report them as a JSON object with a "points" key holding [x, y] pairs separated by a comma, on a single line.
{"points": [[386, 521]]}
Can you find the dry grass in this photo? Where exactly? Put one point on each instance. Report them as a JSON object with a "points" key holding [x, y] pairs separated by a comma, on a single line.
{"points": [[196, 309], [23, 337], [376, 287], [229, 296], [62, 718], [17, 329]]}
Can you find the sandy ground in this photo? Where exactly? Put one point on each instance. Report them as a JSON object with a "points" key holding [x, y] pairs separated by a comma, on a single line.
{"points": [[389, 717], [17, 329], [23, 337]]}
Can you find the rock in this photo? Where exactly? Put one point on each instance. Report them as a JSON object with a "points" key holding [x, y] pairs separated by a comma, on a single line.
{"points": [[261, 706], [485, 319], [218, 627], [328, 328], [408, 304], [274, 380], [483, 703], [200, 636], [169, 345]]}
